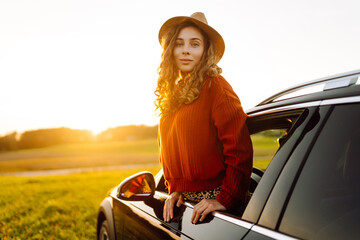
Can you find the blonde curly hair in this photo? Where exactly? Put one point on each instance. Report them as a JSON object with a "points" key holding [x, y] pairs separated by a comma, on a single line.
{"points": [[171, 96]]}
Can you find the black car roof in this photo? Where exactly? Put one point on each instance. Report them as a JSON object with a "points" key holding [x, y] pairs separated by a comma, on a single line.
{"points": [[332, 87]]}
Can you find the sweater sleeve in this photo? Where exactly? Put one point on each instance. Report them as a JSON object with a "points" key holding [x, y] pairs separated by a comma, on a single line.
{"points": [[230, 121]]}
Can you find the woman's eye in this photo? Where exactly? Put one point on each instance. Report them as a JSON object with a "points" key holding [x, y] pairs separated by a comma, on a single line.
{"points": [[178, 44], [195, 44]]}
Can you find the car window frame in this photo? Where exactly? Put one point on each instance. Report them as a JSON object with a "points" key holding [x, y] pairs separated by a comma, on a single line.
{"points": [[256, 204], [277, 200]]}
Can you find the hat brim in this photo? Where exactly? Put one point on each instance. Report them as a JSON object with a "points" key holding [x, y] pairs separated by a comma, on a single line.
{"points": [[215, 37]]}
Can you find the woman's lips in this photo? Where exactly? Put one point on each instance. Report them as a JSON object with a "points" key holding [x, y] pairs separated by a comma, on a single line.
{"points": [[185, 61]]}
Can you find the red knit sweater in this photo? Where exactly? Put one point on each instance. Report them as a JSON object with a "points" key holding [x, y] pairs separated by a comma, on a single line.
{"points": [[206, 144]]}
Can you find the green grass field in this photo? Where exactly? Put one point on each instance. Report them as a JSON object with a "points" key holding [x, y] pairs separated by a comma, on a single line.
{"points": [[65, 207], [55, 207]]}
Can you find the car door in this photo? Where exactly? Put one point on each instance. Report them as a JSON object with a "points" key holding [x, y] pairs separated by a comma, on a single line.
{"points": [[134, 220]]}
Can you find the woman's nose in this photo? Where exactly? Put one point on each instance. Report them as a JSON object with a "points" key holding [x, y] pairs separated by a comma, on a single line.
{"points": [[186, 49]]}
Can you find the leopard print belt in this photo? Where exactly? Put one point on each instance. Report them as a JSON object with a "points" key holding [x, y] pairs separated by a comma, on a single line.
{"points": [[198, 196]]}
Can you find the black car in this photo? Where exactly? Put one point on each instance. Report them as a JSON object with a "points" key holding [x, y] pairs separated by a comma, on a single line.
{"points": [[309, 190]]}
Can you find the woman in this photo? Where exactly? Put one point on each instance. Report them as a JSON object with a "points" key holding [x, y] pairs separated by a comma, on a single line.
{"points": [[206, 150]]}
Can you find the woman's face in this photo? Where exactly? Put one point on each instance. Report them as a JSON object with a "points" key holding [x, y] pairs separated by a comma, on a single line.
{"points": [[189, 48]]}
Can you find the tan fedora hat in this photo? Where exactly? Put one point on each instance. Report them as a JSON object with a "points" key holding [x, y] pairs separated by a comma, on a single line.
{"points": [[200, 20]]}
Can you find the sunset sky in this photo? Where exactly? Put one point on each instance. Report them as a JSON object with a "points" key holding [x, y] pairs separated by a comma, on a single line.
{"points": [[87, 64]]}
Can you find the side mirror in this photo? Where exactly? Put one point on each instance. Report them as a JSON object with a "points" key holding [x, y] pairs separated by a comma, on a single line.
{"points": [[137, 187]]}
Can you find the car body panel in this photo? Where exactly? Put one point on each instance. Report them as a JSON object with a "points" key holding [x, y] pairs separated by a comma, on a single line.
{"points": [[261, 233], [133, 223], [106, 213]]}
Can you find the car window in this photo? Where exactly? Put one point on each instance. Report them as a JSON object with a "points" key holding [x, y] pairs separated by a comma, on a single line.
{"points": [[265, 145], [325, 203]]}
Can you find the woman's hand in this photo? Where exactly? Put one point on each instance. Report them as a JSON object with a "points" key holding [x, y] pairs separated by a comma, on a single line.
{"points": [[174, 198], [204, 207]]}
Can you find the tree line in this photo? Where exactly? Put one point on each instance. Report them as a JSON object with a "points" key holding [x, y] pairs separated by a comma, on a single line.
{"points": [[54, 136]]}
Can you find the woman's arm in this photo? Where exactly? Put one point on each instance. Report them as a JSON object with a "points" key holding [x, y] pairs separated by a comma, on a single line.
{"points": [[230, 121]]}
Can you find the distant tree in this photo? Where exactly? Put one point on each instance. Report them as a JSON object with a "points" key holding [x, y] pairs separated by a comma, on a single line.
{"points": [[53, 136], [9, 142], [49, 137], [131, 132]]}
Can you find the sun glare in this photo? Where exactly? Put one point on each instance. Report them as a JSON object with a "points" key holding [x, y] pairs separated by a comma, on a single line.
{"points": [[97, 129]]}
